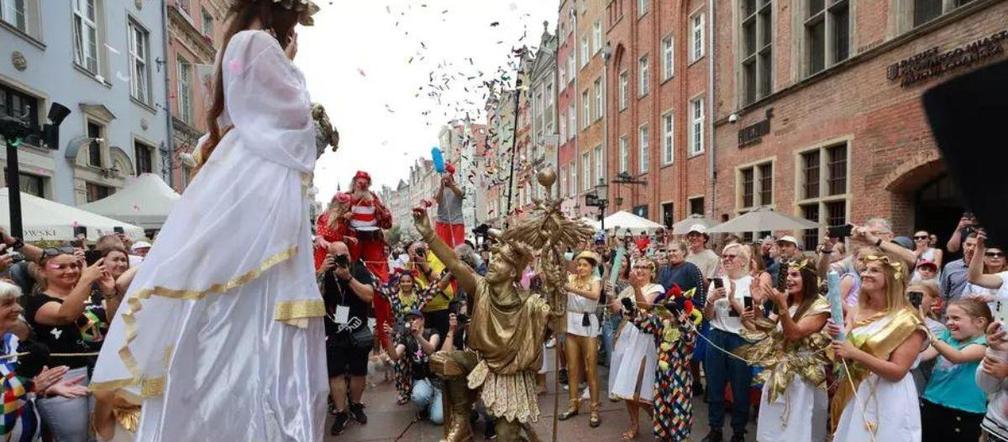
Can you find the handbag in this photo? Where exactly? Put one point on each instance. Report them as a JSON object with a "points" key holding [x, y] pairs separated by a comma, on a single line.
{"points": [[362, 337]]}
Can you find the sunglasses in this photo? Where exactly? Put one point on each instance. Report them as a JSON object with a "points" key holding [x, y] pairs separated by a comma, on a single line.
{"points": [[68, 266], [728, 257], [994, 254], [57, 251], [648, 268], [922, 237]]}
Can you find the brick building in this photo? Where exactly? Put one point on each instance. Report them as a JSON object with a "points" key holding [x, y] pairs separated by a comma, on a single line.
{"points": [[817, 106], [195, 30], [657, 103]]}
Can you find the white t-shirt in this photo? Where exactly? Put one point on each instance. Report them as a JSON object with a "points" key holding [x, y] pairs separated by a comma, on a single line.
{"points": [[722, 309], [577, 307]]}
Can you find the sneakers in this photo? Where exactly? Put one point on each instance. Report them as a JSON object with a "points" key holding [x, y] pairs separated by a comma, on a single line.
{"points": [[357, 411], [339, 423]]}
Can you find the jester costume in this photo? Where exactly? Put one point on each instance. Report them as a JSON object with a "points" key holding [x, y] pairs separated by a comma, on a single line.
{"points": [[20, 421], [401, 305], [673, 384], [369, 217]]}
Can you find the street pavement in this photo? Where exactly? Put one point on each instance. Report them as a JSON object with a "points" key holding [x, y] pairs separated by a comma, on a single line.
{"points": [[388, 421]]}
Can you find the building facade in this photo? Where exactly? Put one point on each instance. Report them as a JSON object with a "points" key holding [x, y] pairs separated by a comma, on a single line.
{"points": [[462, 142], [542, 92], [657, 100], [818, 107], [195, 30], [103, 60]]}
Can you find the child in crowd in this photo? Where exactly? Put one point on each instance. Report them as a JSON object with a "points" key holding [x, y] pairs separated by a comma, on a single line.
{"points": [[953, 406], [992, 378], [925, 296]]}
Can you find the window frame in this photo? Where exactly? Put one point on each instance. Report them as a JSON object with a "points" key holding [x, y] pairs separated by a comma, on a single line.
{"points": [[599, 162], [83, 40], [824, 198], [599, 108], [585, 51], [644, 75], [697, 125], [624, 151], [585, 110], [20, 17], [698, 37], [643, 148], [668, 138], [624, 91], [586, 171], [668, 57], [183, 80], [139, 89], [760, 59], [827, 17], [140, 146], [596, 37], [643, 6], [206, 26]]}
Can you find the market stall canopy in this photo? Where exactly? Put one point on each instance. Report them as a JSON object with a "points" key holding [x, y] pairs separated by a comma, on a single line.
{"points": [[145, 201], [46, 220], [590, 223], [623, 220], [763, 219], [683, 227]]}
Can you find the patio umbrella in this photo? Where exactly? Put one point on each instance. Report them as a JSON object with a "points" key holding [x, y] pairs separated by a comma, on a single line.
{"points": [[626, 220], [682, 227], [761, 219], [145, 201], [590, 222], [48, 220]]}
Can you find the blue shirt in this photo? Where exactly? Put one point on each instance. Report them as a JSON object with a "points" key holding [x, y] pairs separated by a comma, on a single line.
{"points": [[953, 385]]}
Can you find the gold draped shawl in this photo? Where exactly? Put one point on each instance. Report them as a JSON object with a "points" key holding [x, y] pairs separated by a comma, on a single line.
{"points": [[880, 344], [784, 360], [508, 338]]}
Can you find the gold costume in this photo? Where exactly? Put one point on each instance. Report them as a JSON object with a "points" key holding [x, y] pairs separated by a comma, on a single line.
{"points": [[904, 322], [784, 360]]}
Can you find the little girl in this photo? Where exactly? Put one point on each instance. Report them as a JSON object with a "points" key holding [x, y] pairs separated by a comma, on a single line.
{"points": [[953, 406], [992, 377]]}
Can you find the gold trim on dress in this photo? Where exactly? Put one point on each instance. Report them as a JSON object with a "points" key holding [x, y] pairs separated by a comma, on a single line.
{"points": [[293, 311], [155, 386]]}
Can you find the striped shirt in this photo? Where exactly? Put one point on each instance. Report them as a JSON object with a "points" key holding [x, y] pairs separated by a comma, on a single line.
{"points": [[365, 216]]}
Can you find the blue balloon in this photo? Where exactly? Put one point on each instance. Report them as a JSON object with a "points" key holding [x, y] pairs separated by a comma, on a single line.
{"points": [[439, 164]]}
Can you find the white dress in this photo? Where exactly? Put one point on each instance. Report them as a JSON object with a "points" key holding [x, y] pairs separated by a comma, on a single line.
{"points": [[892, 406], [631, 349], [220, 336]]}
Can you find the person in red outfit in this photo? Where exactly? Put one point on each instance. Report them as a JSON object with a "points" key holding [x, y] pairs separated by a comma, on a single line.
{"points": [[368, 216], [333, 226]]}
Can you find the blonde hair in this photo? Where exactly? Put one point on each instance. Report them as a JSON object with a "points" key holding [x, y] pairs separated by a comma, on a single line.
{"points": [[930, 289], [974, 308], [744, 252], [895, 281]]}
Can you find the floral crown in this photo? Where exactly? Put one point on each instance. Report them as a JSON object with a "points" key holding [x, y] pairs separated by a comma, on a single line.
{"points": [[305, 9], [895, 265]]}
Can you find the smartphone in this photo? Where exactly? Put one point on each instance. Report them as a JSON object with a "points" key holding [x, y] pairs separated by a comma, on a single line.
{"points": [[118, 229], [718, 283], [91, 256], [915, 298], [840, 231], [628, 305], [80, 232], [747, 302]]}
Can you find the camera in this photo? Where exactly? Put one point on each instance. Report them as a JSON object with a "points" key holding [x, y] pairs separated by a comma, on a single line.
{"points": [[915, 298], [342, 261], [840, 231], [421, 251]]}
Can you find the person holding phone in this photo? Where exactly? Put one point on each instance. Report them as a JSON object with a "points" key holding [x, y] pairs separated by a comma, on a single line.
{"points": [[724, 309], [788, 343], [992, 377], [924, 252]]}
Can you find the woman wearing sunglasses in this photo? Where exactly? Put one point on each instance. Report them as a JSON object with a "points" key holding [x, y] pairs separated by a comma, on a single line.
{"points": [[987, 273], [924, 251], [67, 319]]}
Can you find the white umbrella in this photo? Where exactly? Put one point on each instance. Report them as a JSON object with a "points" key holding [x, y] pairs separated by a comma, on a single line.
{"points": [[46, 220], [682, 227], [590, 223], [761, 219], [145, 201], [626, 220]]}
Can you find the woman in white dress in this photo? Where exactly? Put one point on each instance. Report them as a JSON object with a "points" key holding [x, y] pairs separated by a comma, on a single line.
{"points": [[876, 399], [583, 328], [220, 335], [790, 347], [634, 354]]}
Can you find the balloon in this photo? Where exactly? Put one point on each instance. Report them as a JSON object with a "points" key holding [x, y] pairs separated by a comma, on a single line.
{"points": [[439, 163]]}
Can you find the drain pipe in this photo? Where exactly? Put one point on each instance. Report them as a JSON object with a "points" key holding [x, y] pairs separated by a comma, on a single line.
{"points": [[169, 141], [711, 85]]}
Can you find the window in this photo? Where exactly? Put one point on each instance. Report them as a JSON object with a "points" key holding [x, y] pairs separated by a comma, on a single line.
{"points": [[624, 154], [585, 171], [927, 10], [85, 27], [827, 34], [585, 110], [144, 155], [562, 76], [571, 121], [14, 103], [12, 12], [596, 37], [756, 186], [96, 192], [548, 106], [668, 214], [757, 39], [186, 175], [95, 131], [585, 51], [139, 47], [642, 7], [573, 178], [823, 189], [667, 58], [563, 128], [563, 181], [668, 155], [696, 126], [571, 68], [183, 5], [696, 206], [598, 99], [32, 184], [642, 141], [624, 85], [207, 24], [697, 35], [599, 173], [184, 96], [644, 76]]}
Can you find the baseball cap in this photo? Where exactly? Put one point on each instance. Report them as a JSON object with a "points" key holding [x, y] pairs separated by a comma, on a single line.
{"points": [[788, 238], [927, 263], [698, 228], [140, 245], [414, 313]]}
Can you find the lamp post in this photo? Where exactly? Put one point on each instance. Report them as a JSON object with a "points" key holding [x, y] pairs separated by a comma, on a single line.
{"points": [[14, 131], [594, 200]]}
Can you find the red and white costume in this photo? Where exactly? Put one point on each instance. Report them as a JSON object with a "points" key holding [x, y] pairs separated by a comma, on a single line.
{"points": [[369, 217]]}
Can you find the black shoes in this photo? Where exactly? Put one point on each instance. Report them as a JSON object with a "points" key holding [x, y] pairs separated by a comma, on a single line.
{"points": [[339, 423], [714, 436], [357, 411], [563, 376]]}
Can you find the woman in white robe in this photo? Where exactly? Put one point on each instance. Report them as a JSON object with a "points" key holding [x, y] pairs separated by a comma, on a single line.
{"points": [[220, 335]]}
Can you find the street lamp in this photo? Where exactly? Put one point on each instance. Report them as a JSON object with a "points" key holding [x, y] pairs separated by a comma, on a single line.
{"points": [[14, 131], [595, 200]]}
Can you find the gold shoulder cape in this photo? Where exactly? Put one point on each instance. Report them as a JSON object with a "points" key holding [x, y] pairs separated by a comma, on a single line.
{"points": [[508, 339], [784, 360], [902, 324]]}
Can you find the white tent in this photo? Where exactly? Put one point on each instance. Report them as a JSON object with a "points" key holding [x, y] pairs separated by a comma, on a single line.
{"points": [[46, 220], [590, 223], [625, 220], [144, 201], [763, 218]]}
